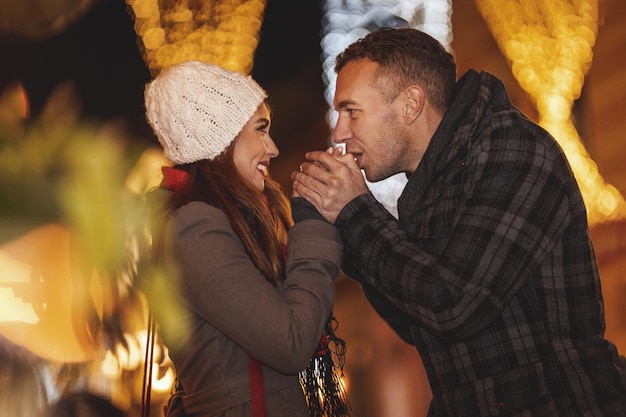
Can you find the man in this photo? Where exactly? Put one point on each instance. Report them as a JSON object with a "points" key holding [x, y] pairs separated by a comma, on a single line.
{"points": [[489, 271]]}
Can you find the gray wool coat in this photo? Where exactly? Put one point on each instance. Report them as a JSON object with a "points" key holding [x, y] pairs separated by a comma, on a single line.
{"points": [[234, 311]]}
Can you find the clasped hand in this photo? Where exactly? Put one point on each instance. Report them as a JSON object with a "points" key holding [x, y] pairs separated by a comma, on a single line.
{"points": [[329, 181]]}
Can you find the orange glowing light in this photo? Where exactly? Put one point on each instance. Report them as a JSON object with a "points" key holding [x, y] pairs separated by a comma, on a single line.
{"points": [[39, 269]]}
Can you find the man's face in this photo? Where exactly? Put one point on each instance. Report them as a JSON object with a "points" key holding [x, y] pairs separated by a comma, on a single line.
{"points": [[371, 128]]}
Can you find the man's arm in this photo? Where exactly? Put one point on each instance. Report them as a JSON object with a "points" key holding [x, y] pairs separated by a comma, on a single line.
{"points": [[506, 221]]}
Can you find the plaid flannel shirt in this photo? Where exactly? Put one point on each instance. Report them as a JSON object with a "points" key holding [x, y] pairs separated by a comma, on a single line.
{"points": [[490, 271]]}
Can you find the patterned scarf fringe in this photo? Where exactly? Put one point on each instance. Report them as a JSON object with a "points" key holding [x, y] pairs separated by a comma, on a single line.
{"points": [[321, 381]]}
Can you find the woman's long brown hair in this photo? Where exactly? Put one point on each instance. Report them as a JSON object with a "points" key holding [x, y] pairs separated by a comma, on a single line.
{"points": [[261, 225]]}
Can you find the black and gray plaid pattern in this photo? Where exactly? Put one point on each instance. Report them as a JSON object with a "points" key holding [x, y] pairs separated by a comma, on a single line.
{"points": [[490, 271]]}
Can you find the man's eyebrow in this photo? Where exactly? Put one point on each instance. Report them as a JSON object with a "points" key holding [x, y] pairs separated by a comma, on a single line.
{"points": [[344, 104]]}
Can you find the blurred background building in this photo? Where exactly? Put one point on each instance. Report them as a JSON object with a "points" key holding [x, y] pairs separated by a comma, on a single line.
{"points": [[72, 74]]}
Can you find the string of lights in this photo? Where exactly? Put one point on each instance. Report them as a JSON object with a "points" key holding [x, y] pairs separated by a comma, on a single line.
{"points": [[549, 46], [224, 32]]}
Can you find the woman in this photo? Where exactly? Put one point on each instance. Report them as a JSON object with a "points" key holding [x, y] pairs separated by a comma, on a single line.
{"points": [[248, 300]]}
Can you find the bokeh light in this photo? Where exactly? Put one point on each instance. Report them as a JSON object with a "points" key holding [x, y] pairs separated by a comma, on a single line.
{"points": [[549, 47], [224, 32]]}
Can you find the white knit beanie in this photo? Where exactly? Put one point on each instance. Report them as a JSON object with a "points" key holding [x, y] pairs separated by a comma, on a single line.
{"points": [[197, 109]]}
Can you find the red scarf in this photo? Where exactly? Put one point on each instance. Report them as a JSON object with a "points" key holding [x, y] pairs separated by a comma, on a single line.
{"points": [[173, 179]]}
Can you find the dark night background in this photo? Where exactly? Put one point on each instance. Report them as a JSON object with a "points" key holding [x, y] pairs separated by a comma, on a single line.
{"points": [[99, 53]]}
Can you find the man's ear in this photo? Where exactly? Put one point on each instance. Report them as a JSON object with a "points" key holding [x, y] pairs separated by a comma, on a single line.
{"points": [[414, 103]]}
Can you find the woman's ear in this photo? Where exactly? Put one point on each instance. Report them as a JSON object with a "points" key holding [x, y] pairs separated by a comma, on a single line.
{"points": [[414, 103]]}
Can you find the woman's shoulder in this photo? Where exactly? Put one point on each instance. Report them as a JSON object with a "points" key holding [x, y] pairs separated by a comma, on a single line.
{"points": [[199, 212], [199, 207]]}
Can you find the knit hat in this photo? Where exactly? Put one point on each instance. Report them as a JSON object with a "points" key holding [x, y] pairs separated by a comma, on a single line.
{"points": [[197, 109]]}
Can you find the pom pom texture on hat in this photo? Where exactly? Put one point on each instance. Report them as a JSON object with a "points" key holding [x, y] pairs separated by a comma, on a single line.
{"points": [[197, 109]]}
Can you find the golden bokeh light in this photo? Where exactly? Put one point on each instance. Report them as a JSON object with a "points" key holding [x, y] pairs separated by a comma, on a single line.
{"points": [[72, 229], [223, 32], [45, 282], [549, 46]]}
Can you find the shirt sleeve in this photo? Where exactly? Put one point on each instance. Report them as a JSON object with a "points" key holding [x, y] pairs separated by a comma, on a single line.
{"points": [[223, 286], [504, 217]]}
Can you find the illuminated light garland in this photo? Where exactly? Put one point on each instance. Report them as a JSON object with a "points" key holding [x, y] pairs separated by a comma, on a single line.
{"points": [[549, 46], [346, 22], [223, 32]]}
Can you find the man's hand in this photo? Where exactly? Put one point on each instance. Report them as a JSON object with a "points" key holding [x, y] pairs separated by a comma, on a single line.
{"points": [[329, 181]]}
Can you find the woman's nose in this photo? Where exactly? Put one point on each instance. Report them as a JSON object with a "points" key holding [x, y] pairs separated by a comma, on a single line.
{"points": [[272, 149]]}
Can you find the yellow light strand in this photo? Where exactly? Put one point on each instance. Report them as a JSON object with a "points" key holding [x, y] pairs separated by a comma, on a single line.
{"points": [[549, 46], [223, 32]]}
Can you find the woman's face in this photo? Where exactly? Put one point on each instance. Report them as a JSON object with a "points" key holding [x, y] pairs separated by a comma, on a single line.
{"points": [[254, 148]]}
